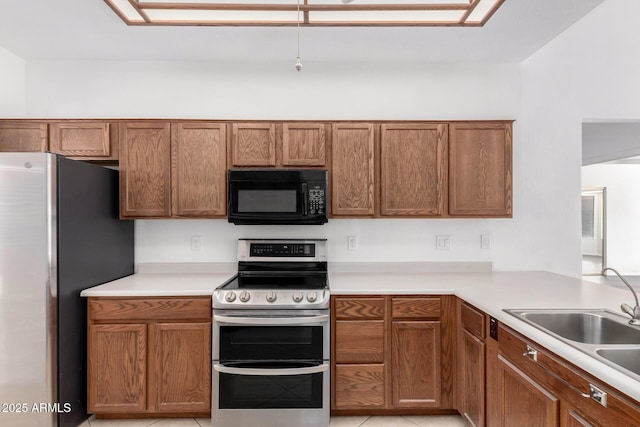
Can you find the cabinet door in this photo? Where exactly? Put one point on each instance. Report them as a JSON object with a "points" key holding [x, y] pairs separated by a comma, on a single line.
{"points": [[472, 375], [253, 144], [416, 364], [82, 139], [523, 401], [145, 170], [359, 386], [303, 144], [23, 136], [353, 169], [117, 359], [181, 374], [199, 170], [413, 176], [480, 169]]}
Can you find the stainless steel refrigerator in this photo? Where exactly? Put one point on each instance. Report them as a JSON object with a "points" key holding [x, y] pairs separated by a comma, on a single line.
{"points": [[59, 234]]}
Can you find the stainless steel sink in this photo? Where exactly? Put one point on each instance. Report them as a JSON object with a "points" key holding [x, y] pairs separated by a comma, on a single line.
{"points": [[628, 358], [589, 327], [602, 334]]}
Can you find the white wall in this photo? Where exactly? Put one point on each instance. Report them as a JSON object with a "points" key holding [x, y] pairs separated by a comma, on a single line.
{"points": [[589, 72], [623, 212], [375, 90], [12, 85], [379, 240], [250, 90]]}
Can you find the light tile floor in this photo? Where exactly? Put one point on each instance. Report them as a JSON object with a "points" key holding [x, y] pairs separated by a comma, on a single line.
{"points": [[406, 421]]}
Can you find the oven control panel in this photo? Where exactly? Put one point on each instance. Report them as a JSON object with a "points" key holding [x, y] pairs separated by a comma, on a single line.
{"points": [[281, 299], [282, 250]]}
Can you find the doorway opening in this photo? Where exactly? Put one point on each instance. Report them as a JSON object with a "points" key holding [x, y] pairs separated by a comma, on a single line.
{"points": [[594, 231]]}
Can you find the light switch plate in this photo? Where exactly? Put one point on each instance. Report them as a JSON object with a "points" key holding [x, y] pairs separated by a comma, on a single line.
{"points": [[485, 241]]}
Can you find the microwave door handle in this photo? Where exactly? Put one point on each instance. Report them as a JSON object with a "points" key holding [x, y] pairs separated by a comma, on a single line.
{"points": [[270, 321], [271, 372], [305, 199]]}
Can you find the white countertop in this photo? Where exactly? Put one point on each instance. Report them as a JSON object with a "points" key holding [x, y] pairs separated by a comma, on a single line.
{"points": [[490, 292], [160, 284]]}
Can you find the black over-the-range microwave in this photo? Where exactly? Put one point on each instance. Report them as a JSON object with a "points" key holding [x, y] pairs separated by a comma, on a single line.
{"points": [[278, 196]]}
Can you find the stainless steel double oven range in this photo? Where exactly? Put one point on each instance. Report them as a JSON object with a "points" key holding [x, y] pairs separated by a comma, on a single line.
{"points": [[271, 337]]}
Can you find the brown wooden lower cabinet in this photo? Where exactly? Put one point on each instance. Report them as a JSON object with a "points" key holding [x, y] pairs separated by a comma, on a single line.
{"points": [[393, 354], [149, 357], [524, 401], [549, 391], [471, 385], [415, 364], [117, 359]]}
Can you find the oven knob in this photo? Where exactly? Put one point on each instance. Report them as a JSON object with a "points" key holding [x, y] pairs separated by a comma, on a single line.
{"points": [[271, 296], [297, 296], [245, 296], [312, 297], [230, 296]]}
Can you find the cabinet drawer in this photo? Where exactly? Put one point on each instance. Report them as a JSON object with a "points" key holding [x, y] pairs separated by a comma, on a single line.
{"points": [[359, 341], [472, 320], [359, 386], [413, 308], [359, 308], [149, 308]]}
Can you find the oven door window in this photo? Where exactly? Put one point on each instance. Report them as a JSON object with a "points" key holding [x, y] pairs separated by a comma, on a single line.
{"points": [[239, 343], [238, 391], [266, 198]]}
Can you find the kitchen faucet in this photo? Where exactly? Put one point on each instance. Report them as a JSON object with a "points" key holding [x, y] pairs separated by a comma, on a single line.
{"points": [[633, 312]]}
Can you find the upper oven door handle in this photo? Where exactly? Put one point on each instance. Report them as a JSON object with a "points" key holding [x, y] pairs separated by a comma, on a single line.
{"points": [[271, 321], [271, 372]]}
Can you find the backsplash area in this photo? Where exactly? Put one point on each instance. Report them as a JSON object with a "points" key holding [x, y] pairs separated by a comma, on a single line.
{"points": [[378, 240]]}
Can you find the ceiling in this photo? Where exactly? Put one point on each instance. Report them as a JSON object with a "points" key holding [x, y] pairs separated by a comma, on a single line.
{"points": [[89, 29]]}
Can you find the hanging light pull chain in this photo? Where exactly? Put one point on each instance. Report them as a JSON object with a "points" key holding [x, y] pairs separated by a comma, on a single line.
{"points": [[298, 63]]}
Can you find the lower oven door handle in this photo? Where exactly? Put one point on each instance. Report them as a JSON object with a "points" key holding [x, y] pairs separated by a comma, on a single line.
{"points": [[271, 372], [270, 321]]}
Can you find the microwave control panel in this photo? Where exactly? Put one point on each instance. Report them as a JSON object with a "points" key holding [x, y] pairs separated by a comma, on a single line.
{"points": [[316, 200]]}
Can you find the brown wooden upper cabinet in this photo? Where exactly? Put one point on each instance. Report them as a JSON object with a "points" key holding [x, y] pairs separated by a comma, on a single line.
{"points": [[353, 169], [199, 170], [86, 140], [413, 175], [289, 144], [145, 169], [253, 144], [304, 144], [23, 136], [480, 169], [173, 170], [76, 139]]}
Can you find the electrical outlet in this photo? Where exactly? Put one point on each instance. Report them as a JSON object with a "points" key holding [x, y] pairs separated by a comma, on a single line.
{"points": [[196, 243], [485, 241], [443, 243], [352, 243]]}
